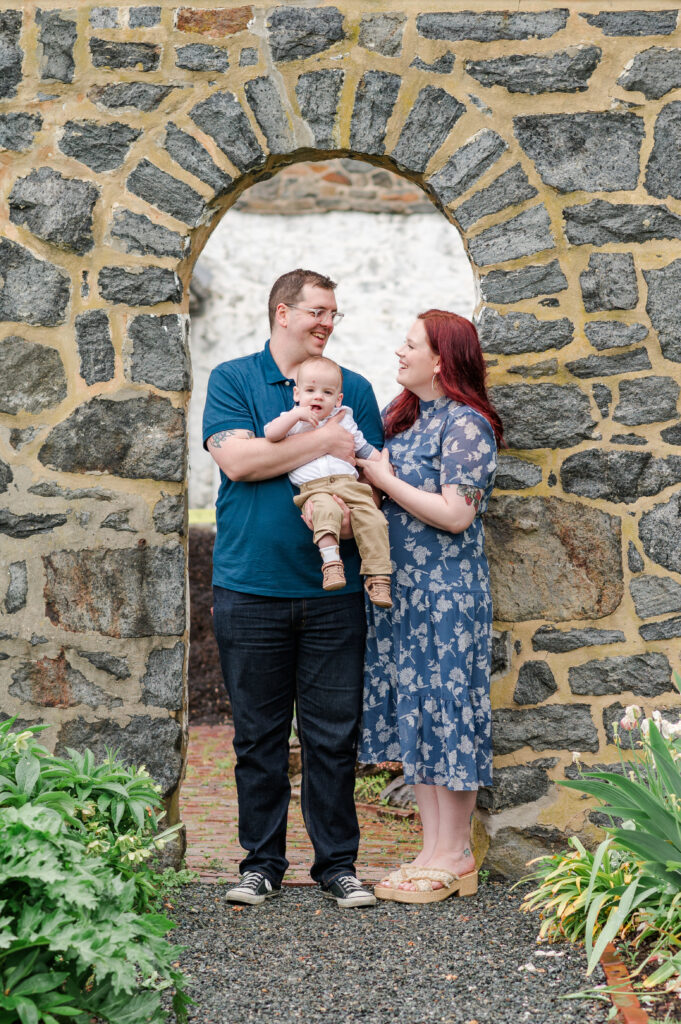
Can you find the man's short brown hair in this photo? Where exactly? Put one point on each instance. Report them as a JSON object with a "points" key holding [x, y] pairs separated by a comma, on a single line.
{"points": [[288, 287]]}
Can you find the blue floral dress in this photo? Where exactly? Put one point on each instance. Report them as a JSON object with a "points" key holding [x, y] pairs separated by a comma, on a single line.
{"points": [[428, 659]]}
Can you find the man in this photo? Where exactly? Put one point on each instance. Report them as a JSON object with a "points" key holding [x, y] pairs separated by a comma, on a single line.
{"points": [[282, 638]]}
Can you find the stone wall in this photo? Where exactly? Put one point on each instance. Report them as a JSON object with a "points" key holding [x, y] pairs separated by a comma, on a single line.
{"points": [[549, 136]]}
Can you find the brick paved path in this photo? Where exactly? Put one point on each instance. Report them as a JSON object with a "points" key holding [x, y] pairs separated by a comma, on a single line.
{"points": [[208, 807]]}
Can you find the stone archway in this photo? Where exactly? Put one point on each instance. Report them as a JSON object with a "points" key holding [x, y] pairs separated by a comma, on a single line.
{"points": [[129, 130]]}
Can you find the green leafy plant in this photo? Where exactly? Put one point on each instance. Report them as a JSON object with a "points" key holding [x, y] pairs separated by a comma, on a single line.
{"points": [[368, 788]]}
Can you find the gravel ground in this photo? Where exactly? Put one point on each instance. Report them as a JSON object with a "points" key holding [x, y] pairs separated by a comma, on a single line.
{"points": [[300, 958]]}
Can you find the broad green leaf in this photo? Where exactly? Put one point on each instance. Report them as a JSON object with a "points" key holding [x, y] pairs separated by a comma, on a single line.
{"points": [[40, 983], [27, 773]]}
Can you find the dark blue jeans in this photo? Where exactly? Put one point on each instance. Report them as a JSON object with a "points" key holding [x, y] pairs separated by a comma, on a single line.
{"points": [[276, 652]]}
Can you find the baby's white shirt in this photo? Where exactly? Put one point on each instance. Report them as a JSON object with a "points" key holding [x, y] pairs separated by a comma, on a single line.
{"points": [[329, 465]]}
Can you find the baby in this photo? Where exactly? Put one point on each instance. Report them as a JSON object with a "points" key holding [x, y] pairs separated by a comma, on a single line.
{"points": [[318, 395]]}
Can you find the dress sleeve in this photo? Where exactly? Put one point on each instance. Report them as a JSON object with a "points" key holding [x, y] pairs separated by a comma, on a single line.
{"points": [[226, 405], [469, 451]]}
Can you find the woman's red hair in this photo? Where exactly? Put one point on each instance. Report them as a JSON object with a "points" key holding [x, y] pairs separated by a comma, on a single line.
{"points": [[462, 374]]}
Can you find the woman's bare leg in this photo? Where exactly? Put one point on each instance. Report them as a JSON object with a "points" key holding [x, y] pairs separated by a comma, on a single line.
{"points": [[452, 848], [429, 811]]}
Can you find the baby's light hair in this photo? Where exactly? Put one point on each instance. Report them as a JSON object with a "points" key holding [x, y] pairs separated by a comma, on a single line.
{"points": [[324, 360]]}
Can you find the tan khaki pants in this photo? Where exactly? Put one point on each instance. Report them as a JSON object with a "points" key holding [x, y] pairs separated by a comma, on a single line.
{"points": [[368, 522]]}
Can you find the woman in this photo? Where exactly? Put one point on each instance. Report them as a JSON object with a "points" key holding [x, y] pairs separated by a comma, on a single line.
{"points": [[426, 700]]}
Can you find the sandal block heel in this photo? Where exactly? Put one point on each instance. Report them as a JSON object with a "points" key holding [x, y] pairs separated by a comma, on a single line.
{"points": [[468, 884]]}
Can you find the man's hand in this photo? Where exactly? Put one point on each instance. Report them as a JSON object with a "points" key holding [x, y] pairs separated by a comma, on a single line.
{"points": [[339, 442], [345, 527]]}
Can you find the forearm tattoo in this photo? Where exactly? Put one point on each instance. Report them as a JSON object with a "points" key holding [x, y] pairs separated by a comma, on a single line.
{"points": [[473, 495], [216, 439]]}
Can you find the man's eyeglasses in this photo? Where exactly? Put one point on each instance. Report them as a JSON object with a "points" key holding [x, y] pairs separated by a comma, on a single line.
{"points": [[318, 314]]}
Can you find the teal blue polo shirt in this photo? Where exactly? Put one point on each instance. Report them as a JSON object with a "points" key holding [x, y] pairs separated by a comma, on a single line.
{"points": [[262, 545]]}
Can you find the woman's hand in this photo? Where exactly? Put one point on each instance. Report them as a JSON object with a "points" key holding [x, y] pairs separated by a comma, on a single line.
{"points": [[378, 472], [345, 527]]}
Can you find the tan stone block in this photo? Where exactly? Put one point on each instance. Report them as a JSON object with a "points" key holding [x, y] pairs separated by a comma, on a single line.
{"points": [[214, 22]]}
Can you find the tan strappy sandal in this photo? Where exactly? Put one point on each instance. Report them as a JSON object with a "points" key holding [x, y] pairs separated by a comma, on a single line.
{"points": [[452, 885]]}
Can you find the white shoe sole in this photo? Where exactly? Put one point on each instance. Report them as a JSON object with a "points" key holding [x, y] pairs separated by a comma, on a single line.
{"points": [[351, 901], [235, 895]]}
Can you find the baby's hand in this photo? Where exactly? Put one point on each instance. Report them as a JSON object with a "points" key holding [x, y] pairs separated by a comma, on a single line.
{"points": [[308, 416]]}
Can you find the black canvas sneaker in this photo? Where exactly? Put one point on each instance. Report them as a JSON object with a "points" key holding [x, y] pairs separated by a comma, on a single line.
{"points": [[253, 888], [348, 891]]}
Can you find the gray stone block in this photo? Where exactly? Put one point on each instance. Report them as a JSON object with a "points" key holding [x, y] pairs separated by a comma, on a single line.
{"points": [[193, 157], [501, 653], [169, 514], [374, 102], [560, 641], [655, 595], [514, 333], [663, 306], [104, 17], [160, 354], [144, 96], [297, 32], [536, 550], [108, 53], [162, 681], [105, 436], [605, 334], [618, 476], [248, 57], [57, 37], [20, 527], [34, 376], [265, 102], [654, 72], [167, 193], [96, 351], [608, 366], [318, 93], [467, 165], [629, 439], [672, 435], [17, 588], [201, 57], [566, 71], [585, 151], [155, 743], [55, 208], [647, 400], [6, 476], [523, 235], [137, 233], [126, 592], [602, 398], [609, 282], [430, 120], [139, 286], [31, 290], [634, 560], [535, 684], [512, 285], [118, 521], [441, 66], [54, 683], [18, 439], [516, 474], [11, 54], [599, 222], [382, 33], [552, 727], [543, 415], [101, 147], [645, 675], [660, 533], [663, 173], [544, 368], [634, 23], [488, 26], [509, 188], [50, 489], [144, 17], [17, 131], [105, 662], [222, 117], [668, 629], [516, 785]]}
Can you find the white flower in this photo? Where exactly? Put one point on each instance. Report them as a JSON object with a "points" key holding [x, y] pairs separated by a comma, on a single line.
{"points": [[576, 756], [631, 715]]}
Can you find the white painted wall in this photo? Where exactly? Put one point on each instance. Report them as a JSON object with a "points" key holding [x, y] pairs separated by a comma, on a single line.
{"points": [[389, 267]]}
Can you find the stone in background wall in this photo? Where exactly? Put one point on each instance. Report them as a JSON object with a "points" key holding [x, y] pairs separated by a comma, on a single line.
{"points": [[548, 136]]}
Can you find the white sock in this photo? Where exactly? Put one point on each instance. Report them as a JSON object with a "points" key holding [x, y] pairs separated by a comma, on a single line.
{"points": [[330, 554]]}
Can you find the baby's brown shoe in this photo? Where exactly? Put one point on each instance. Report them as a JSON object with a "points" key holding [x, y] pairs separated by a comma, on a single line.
{"points": [[333, 575], [378, 589]]}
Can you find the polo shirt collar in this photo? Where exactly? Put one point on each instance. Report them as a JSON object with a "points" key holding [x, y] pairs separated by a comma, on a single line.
{"points": [[272, 373]]}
